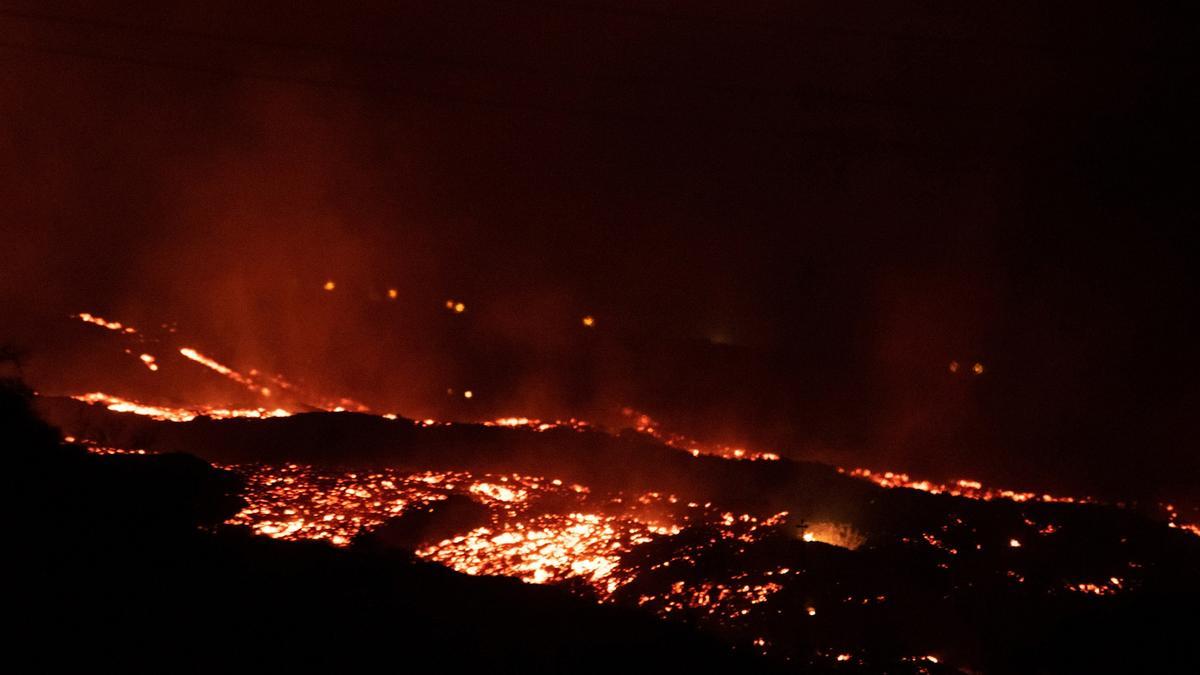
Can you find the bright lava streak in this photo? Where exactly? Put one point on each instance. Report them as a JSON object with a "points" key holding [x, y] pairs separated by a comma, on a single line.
{"points": [[104, 323]]}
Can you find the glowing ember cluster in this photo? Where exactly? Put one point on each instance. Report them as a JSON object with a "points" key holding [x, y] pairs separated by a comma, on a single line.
{"points": [[1111, 587], [551, 547], [538, 425], [692, 588], [1173, 520], [579, 535], [720, 600], [295, 501]]}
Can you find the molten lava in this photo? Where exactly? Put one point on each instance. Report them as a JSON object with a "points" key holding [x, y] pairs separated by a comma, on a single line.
{"points": [[104, 323]]}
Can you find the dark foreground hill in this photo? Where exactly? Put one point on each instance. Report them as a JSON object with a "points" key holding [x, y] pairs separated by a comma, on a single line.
{"points": [[122, 564]]}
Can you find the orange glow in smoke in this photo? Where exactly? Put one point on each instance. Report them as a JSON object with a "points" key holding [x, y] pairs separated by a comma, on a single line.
{"points": [[843, 535]]}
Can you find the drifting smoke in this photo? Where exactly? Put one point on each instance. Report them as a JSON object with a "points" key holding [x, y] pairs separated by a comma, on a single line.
{"points": [[761, 269]]}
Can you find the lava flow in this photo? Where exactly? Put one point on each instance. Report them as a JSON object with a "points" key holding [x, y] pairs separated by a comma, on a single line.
{"points": [[581, 535], [603, 335], [753, 574], [731, 570]]}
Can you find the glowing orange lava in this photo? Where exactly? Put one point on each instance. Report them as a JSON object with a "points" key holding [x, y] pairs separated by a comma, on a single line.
{"points": [[170, 414], [104, 323], [149, 360], [295, 501], [971, 489]]}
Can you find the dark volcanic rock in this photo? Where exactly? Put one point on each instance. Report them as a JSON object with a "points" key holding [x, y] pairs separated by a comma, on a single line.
{"points": [[427, 524], [120, 567]]}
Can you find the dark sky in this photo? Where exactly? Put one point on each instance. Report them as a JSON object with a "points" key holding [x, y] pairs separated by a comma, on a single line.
{"points": [[787, 220]]}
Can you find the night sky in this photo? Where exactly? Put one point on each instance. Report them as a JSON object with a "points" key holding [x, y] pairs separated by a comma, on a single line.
{"points": [[788, 221]]}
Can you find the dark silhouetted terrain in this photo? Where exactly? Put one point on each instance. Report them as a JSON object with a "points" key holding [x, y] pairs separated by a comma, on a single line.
{"points": [[1000, 586]]}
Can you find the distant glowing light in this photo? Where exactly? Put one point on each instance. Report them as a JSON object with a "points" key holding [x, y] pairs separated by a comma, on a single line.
{"points": [[1014, 543], [393, 293], [456, 306], [329, 285], [977, 368], [468, 394], [809, 536], [954, 366], [589, 321], [149, 361]]}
